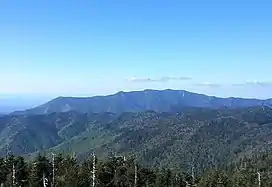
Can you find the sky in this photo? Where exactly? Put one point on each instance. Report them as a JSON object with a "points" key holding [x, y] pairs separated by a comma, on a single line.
{"points": [[98, 47]]}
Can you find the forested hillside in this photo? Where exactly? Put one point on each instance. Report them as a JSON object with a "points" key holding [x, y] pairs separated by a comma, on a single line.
{"points": [[60, 171], [28, 133], [206, 138]]}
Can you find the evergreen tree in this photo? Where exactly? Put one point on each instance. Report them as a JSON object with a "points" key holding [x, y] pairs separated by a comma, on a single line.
{"points": [[21, 173], [68, 172], [3, 171], [120, 172], [40, 168]]}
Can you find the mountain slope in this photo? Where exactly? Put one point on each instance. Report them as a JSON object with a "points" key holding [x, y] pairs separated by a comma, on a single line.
{"points": [[26, 134], [23, 134], [139, 101], [204, 137]]}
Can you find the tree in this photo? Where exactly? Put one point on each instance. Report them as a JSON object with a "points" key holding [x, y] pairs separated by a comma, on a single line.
{"points": [[67, 172], [41, 167], [215, 179], [21, 171], [3, 171]]}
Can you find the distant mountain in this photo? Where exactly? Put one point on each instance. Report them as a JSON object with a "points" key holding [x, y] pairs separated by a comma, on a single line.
{"points": [[204, 137], [6, 109], [139, 101], [11, 103]]}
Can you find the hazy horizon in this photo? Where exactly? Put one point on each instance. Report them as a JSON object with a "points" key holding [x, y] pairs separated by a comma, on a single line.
{"points": [[12, 102], [48, 97]]}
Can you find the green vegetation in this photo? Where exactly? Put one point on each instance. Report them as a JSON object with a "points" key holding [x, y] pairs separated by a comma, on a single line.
{"points": [[205, 138], [126, 172]]}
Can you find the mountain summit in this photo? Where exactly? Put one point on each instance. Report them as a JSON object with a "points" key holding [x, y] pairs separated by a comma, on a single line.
{"points": [[138, 101]]}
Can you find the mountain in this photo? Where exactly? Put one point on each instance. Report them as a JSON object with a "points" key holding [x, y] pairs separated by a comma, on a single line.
{"points": [[139, 101], [26, 134], [205, 137]]}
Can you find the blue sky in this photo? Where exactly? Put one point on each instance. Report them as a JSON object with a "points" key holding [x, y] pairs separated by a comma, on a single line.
{"points": [[82, 48]]}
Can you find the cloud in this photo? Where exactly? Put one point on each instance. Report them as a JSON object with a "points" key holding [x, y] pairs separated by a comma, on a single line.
{"points": [[254, 83], [244, 84], [161, 79], [208, 84]]}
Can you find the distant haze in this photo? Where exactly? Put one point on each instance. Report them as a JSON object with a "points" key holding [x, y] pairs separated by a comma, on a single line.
{"points": [[10, 103]]}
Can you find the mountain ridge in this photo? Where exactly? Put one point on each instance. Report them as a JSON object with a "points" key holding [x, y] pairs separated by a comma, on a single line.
{"points": [[139, 101], [154, 137]]}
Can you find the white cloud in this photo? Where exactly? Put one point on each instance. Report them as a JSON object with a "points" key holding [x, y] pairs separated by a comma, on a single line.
{"points": [[208, 84], [160, 79], [255, 83]]}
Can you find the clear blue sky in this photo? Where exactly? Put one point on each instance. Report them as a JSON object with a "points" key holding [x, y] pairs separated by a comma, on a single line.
{"points": [[98, 47]]}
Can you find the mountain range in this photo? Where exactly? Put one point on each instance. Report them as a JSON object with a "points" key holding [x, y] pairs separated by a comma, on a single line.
{"points": [[168, 127], [139, 101], [208, 136]]}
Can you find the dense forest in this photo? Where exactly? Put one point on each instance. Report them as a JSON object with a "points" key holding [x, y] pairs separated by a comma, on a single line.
{"points": [[205, 138], [67, 171], [187, 146]]}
